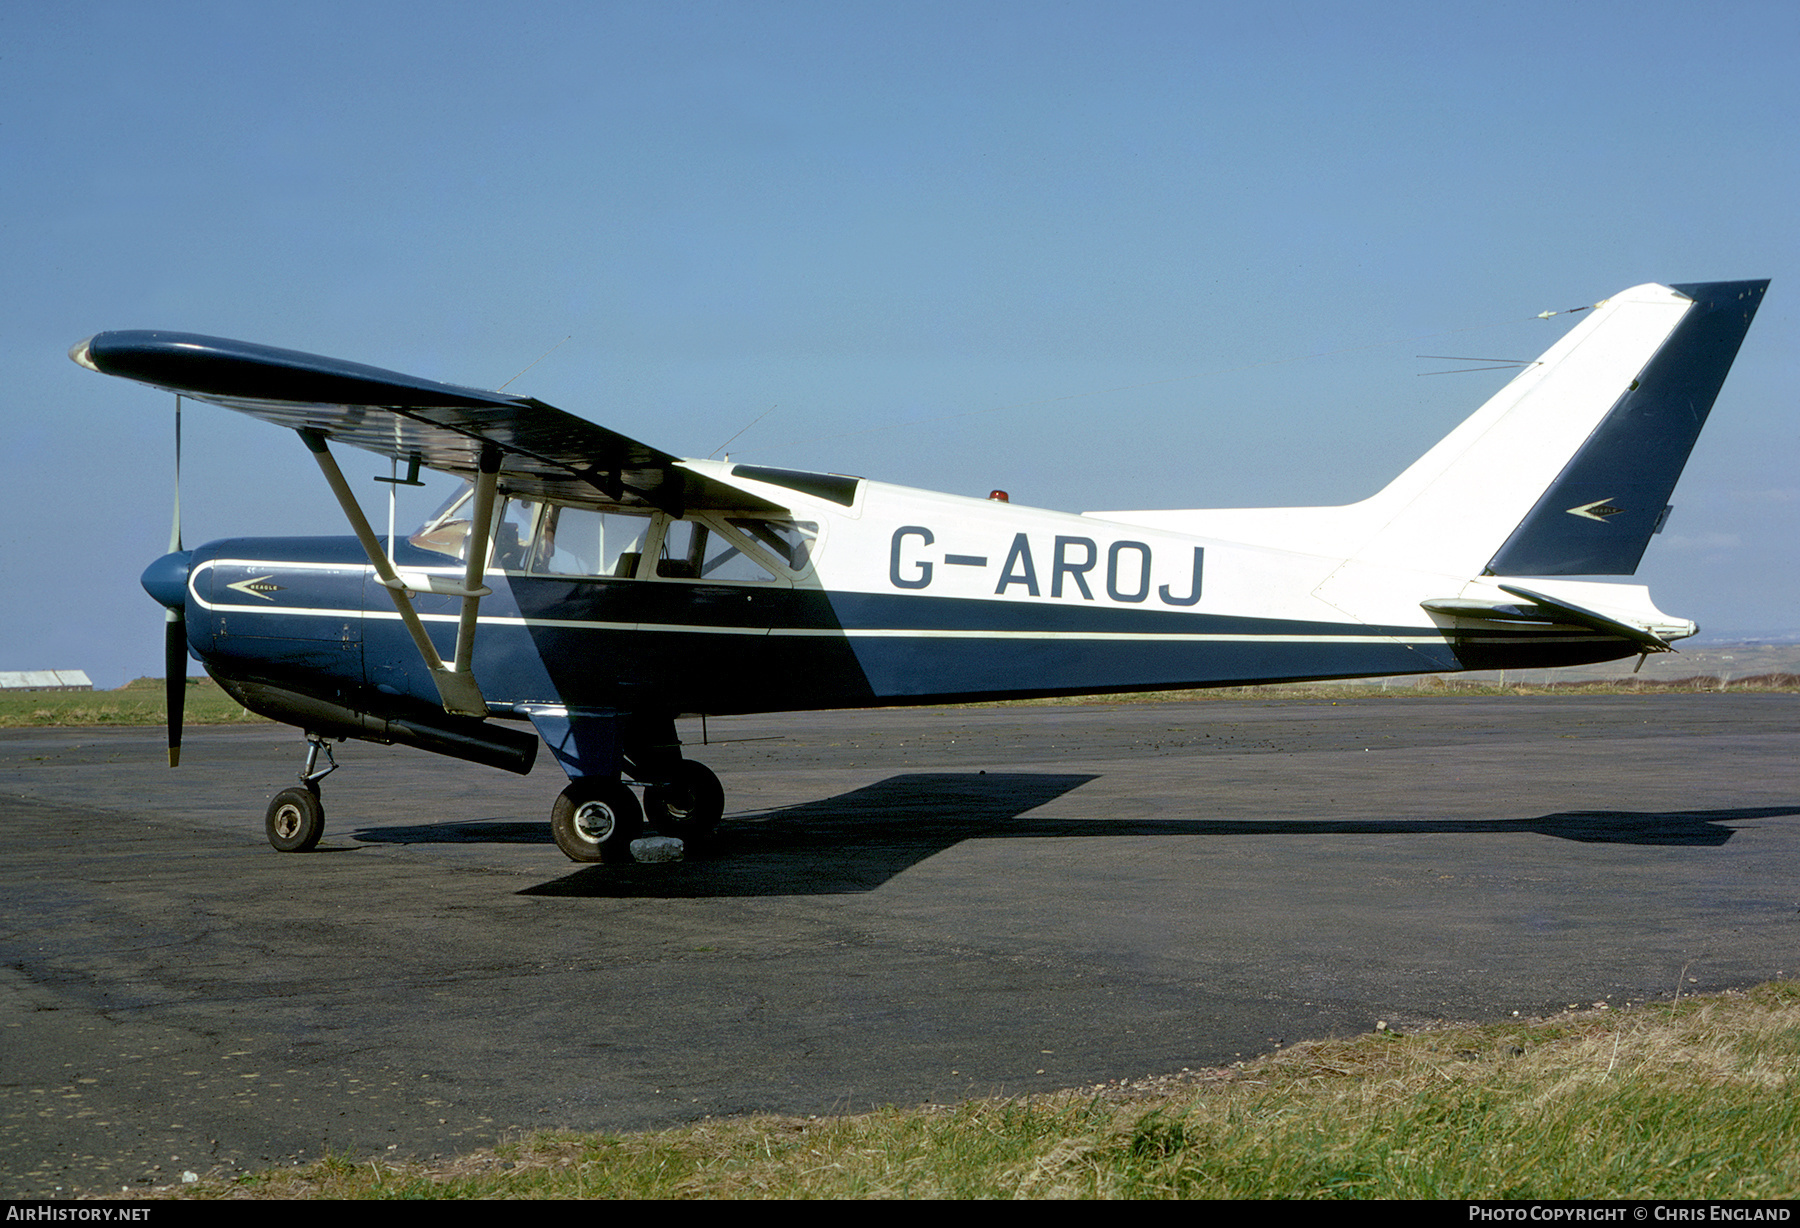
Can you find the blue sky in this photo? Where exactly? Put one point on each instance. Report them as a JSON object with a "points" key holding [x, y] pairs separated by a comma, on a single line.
{"points": [[931, 236]]}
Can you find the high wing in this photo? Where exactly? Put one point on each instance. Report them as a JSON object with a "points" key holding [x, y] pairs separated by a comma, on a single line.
{"points": [[545, 453]]}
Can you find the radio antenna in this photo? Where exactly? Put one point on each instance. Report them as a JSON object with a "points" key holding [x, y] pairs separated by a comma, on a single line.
{"points": [[534, 362], [764, 414]]}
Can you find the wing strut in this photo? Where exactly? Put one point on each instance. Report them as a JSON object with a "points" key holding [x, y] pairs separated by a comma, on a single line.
{"points": [[480, 530], [455, 683]]}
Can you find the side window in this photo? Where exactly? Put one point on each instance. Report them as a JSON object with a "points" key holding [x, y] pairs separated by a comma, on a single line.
{"points": [[791, 541], [574, 541], [694, 550]]}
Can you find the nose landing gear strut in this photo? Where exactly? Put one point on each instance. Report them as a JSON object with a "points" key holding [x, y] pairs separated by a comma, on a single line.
{"points": [[296, 817]]}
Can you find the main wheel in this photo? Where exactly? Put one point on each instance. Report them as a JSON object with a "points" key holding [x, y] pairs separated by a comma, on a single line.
{"points": [[691, 807], [296, 820], [596, 819]]}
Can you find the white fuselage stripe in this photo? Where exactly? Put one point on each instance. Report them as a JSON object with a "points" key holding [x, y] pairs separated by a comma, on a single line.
{"points": [[920, 633], [1422, 637]]}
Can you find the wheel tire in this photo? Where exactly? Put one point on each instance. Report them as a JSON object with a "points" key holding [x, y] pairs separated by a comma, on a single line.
{"points": [[689, 808], [596, 819], [295, 821]]}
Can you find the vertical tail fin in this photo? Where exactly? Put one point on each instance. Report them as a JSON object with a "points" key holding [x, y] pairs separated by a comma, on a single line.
{"points": [[1596, 518], [1567, 470]]}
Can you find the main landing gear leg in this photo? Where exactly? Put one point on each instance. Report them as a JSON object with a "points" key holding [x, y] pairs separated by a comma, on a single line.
{"points": [[296, 817], [598, 816], [689, 806], [682, 798]]}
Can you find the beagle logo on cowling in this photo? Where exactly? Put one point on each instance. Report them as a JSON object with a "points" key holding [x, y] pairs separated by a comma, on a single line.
{"points": [[259, 587]]}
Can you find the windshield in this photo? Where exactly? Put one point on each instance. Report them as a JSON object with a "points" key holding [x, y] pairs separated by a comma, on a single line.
{"points": [[445, 529]]}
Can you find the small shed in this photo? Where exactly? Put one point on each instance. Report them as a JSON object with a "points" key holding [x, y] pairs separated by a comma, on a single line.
{"points": [[45, 680]]}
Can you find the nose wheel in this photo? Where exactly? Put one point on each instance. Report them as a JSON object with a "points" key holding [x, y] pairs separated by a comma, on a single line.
{"points": [[296, 820], [296, 817]]}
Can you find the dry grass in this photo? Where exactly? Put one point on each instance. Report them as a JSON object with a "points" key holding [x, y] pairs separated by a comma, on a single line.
{"points": [[1692, 1100]]}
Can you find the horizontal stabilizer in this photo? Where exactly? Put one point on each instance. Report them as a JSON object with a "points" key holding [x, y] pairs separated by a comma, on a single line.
{"points": [[1541, 609], [1582, 616]]}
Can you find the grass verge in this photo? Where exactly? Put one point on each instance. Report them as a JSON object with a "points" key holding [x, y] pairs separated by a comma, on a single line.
{"points": [[1691, 1100], [139, 703]]}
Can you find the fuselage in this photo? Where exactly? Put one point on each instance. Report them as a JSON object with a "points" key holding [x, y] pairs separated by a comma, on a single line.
{"points": [[895, 596]]}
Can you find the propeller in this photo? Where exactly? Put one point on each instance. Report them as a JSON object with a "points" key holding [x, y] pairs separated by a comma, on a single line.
{"points": [[175, 622]]}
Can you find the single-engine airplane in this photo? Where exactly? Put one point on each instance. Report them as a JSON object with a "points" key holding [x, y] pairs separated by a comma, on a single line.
{"points": [[594, 587]]}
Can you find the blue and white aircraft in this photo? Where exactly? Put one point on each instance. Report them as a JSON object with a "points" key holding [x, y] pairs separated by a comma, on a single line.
{"points": [[584, 589]]}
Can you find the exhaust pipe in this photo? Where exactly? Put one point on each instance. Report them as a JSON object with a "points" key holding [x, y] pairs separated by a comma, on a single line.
{"points": [[459, 738]]}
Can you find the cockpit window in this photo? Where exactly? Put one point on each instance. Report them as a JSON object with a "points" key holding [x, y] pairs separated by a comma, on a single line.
{"points": [[574, 541], [446, 531], [554, 540], [513, 529]]}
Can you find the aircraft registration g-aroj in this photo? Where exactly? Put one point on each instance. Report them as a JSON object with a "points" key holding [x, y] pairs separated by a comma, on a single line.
{"points": [[586, 589]]}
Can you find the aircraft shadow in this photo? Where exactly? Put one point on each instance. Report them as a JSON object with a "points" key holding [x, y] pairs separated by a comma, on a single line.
{"points": [[839, 845], [468, 831], [857, 841]]}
